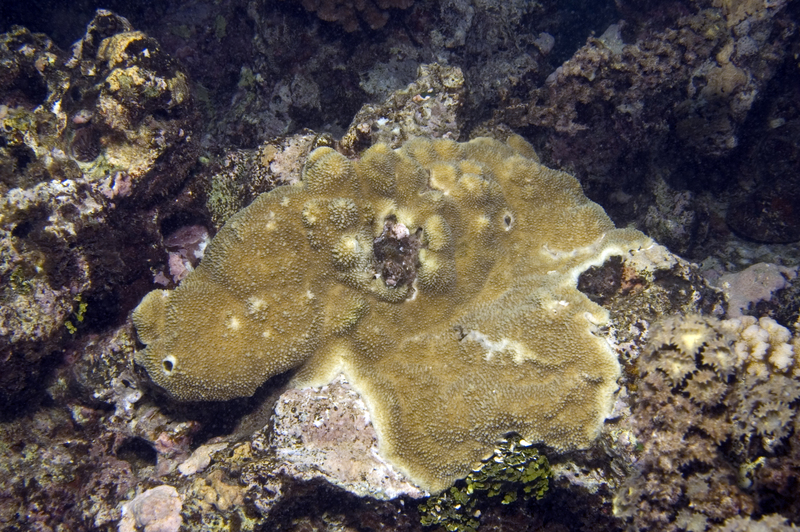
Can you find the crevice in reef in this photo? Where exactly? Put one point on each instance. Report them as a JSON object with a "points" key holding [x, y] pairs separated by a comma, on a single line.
{"points": [[396, 254]]}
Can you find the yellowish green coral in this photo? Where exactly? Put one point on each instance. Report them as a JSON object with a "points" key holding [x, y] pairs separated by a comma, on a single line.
{"points": [[440, 278], [79, 314]]}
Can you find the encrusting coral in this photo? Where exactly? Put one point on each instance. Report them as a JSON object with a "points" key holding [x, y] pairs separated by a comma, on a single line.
{"points": [[440, 278], [716, 405], [81, 133], [700, 355]]}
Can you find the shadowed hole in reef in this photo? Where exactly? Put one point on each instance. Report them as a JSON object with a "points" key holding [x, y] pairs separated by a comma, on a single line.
{"points": [[577, 20], [102, 310], [178, 220], [28, 89], [138, 453], [23, 156], [22, 229], [32, 222]]}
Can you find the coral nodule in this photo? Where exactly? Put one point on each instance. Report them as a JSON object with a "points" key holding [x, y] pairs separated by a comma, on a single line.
{"points": [[439, 278]]}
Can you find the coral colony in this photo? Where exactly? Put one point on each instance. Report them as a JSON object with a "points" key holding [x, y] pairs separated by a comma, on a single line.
{"points": [[456, 239]]}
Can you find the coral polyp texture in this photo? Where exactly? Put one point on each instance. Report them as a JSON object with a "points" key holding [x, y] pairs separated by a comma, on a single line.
{"points": [[439, 278], [717, 411]]}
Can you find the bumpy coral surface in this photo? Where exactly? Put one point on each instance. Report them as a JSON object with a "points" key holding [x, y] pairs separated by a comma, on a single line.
{"points": [[717, 405], [440, 278]]}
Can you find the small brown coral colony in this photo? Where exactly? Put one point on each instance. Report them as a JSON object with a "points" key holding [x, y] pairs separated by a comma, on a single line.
{"points": [[746, 364], [717, 401], [347, 12], [440, 278]]}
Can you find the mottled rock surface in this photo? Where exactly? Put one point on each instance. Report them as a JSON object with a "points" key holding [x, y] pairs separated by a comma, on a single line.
{"points": [[84, 136]]}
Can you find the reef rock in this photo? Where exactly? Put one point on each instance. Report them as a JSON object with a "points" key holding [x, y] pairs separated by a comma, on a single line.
{"points": [[156, 510], [428, 107], [760, 282], [327, 433], [82, 136], [348, 14], [440, 278], [691, 78]]}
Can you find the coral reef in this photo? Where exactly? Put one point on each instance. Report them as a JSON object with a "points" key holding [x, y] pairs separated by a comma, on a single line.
{"points": [[681, 119], [326, 432], [765, 200], [677, 220], [51, 474], [646, 285], [100, 444], [768, 213], [324, 302], [715, 402], [428, 107], [500, 47], [768, 523], [687, 76], [185, 247], [758, 283], [317, 434], [244, 174], [284, 81], [116, 113], [200, 458]]}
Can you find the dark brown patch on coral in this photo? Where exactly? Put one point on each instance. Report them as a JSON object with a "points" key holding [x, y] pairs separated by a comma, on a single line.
{"points": [[640, 299], [396, 254], [601, 283]]}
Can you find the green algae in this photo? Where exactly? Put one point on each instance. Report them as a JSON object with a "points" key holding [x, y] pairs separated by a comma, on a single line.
{"points": [[515, 470]]}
